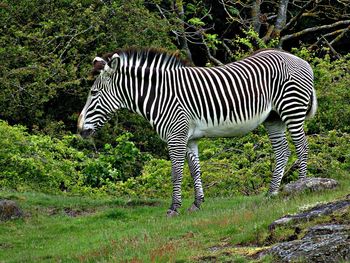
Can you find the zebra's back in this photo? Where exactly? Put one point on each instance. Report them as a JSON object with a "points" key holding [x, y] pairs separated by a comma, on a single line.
{"points": [[234, 99]]}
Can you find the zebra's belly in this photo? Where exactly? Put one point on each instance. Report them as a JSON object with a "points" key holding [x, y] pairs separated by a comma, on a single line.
{"points": [[201, 129]]}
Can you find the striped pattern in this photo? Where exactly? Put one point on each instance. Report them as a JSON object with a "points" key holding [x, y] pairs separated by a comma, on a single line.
{"points": [[186, 103]]}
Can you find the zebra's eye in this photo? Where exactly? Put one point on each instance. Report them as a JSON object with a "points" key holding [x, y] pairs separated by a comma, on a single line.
{"points": [[94, 92]]}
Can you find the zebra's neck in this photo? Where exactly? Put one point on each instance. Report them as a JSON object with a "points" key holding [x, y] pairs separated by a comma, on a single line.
{"points": [[143, 79]]}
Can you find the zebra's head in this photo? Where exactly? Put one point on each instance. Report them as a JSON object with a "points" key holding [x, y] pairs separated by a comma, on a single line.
{"points": [[102, 101]]}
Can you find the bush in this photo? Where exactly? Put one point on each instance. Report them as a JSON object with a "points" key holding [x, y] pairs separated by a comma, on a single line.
{"points": [[47, 48], [115, 163], [242, 166], [38, 162], [230, 166], [332, 84]]}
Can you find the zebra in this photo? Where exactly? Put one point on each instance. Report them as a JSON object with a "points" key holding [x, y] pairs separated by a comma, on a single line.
{"points": [[184, 103]]}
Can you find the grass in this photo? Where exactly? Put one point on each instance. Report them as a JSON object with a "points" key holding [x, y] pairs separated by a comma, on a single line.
{"points": [[83, 229]]}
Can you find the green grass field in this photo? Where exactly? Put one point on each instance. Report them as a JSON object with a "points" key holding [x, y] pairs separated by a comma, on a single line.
{"points": [[82, 229]]}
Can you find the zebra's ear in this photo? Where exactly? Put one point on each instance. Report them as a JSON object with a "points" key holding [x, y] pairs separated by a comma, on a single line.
{"points": [[99, 64], [113, 62], [108, 69]]}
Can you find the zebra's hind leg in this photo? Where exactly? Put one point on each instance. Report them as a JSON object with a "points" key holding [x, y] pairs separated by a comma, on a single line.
{"points": [[301, 146], [277, 134], [195, 170]]}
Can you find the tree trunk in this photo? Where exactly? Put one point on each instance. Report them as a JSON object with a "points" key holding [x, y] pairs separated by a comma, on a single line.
{"points": [[178, 4], [256, 13], [281, 18]]}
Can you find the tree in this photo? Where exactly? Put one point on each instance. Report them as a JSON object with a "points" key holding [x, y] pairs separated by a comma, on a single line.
{"points": [[288, 20], [47, 48], [216, 26]]}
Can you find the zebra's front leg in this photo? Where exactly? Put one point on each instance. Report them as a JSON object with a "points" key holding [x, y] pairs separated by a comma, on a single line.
{"points": [[195, 170], [177, 153]]}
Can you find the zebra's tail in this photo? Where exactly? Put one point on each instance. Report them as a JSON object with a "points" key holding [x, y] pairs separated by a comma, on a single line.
{"points": [[313, 108]]}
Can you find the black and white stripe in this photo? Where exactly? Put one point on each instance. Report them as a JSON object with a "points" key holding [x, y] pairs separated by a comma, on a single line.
{"points": [[186, 103]]}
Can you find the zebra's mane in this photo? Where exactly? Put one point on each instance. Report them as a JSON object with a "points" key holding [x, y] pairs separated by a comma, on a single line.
{"points": [[147, 55]]}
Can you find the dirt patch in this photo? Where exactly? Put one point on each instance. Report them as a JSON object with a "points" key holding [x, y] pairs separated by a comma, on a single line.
{"points": [[77, 212], [9, 210], [71, 212], [133, 203], [208, 259], [5, 246], [225, 252]]}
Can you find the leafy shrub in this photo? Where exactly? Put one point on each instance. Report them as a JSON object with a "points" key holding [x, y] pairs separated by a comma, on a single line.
{"points": [[115, 163], [332, 84], [144, 136], [37, 162], [230, 166], [48, 46], [236, 166]]}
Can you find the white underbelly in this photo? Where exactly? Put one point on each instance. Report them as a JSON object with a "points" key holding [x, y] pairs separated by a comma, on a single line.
{"points": [[200, 128]]}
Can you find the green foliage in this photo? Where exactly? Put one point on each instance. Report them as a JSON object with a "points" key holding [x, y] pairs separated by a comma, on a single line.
{"points": [[154, 182], [41, 163], [36, 162], [144, 136], [196, 22], [242, 166], [249, 42], [332, 83], [115, 163], [329, 154], [47, 48], [238, 166], [212, 40]]}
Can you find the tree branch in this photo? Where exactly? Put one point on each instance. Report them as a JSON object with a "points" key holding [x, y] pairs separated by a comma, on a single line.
{"points": [[72, 38], [344, 31], [297, 16], [228, 50], [210, 56], [179, 9], [312, 29], [335, 53], [336, 32]]}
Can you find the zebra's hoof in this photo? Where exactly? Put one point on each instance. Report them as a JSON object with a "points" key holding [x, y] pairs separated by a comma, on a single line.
{"points": [[193, 208], [172, 213], [271, 194]]}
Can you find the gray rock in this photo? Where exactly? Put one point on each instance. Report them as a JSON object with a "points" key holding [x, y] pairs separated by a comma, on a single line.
{"points": [[322, 243], [316, 211], [9, 210], [311, 184]]}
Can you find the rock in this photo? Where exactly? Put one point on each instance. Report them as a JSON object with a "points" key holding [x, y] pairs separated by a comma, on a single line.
{"points": [[309, 183], [9, 210], [328, 241], [316, 211], [322, 243]]}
